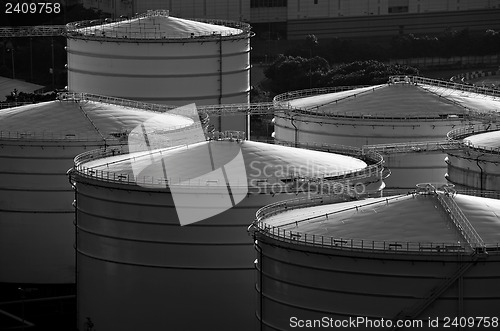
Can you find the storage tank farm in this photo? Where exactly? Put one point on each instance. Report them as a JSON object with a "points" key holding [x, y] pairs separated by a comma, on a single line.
{"points": [[404, 110], [138, 268], [38, 143], [419, 257], [476, 166], [157, 58]]}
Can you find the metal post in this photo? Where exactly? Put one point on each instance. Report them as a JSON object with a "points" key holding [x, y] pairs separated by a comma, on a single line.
{"points": [[53, 69], [31, 59], [13, 62]]}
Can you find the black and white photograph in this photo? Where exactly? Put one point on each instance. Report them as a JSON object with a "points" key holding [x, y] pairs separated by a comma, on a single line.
{"points": [[250, 165]]}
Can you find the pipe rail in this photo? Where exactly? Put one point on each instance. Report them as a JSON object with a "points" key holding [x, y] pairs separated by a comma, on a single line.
{"points": [[459, 134], [296, 237], [461, 222], [287, 96], [294, 182], [281, 101], [414, 147], [261, 226], [106, 29], [73, 30]]}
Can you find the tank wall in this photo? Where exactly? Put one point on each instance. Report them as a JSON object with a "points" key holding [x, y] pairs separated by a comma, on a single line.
{"points": [[406, 169], [360, 131], [36, 215], [465, 170], [128, 237], [173, 73], [313, 283]]}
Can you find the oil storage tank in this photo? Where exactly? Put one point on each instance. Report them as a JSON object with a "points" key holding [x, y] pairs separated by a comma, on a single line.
{"points": [[38, 143], [393, 262], [138, 268], [158, 58], [406, 109], [476, 165]]}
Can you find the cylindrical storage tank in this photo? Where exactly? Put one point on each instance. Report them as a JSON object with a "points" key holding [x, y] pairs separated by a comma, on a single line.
{"points": [[38, 143], [157, 58], [137, 268], [476, 165], [378, 261], [397, 112]]}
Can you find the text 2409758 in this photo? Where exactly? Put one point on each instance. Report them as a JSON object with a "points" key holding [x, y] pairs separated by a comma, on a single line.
{"points": [[32, 8]]}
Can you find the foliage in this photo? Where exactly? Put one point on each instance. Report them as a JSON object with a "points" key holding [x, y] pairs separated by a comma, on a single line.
{"points": [[30, 97], [289, 73], [446, 44]]}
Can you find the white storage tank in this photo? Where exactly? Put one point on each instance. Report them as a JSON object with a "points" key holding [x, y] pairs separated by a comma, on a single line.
{"points": [[424, 256], [137, 268], [157, 58], [404, 110], [38, 143], [477, 165]]}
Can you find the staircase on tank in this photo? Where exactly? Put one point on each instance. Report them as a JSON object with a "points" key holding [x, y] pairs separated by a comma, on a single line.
{"points": [[444, 195]]}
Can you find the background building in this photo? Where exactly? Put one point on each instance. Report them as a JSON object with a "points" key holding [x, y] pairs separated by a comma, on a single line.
{"points": [[293, 19]]}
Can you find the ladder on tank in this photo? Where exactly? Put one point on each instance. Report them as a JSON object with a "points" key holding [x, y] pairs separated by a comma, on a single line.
{"points": [[413, 312], [469, 234]]}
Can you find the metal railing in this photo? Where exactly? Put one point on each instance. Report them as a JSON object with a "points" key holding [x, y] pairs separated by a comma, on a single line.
{"points": [[278, 232], [288, 96], [118, 30], [460, 221], [357, 244], [59, 136], [452, 85], [112, 137], [292, 182], [414, 147], [75, 97], [160, 108], [4, 105], [463, 132], [281, 102]]}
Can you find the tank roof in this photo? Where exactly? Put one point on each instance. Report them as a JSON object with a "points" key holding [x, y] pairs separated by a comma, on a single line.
{"points": [[156, 24], [490, 140], [387, 100], [476, 101], [262, 161], [401, 218], [88, 120]]}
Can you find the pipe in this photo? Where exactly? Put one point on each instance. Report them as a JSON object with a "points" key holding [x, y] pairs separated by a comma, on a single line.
{"points": [[480, 174], [296, 131]]}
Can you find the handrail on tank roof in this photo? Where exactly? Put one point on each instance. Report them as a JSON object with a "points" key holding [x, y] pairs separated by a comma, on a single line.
{"points": [[287, 96], [58, 137], [276, 232], [458, 218], [447, 84], [414, 147], [281, 100], [92, 30], [161, 108], [459, 134], [116, 137], [5, 105], [325, 183]]}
